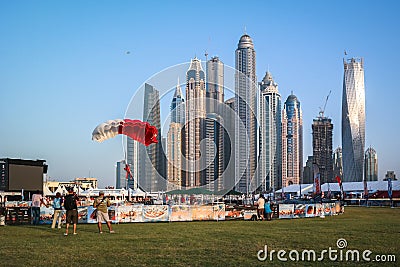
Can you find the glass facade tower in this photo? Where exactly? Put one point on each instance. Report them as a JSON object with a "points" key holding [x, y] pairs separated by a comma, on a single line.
{"points": [[353, 120], [292, 142], [371, 165], [270, 141], [245, 125]]}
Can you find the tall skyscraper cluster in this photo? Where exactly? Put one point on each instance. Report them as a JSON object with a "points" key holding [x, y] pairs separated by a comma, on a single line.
{"points": [[253, 141]]}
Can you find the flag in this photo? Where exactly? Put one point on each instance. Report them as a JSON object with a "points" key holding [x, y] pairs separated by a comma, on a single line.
{"points": [[390, 189], [339, 180], [317, 180], [365, 189]]}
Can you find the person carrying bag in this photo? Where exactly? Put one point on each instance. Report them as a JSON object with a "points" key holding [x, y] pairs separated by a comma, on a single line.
{"points": [[101, 204]]}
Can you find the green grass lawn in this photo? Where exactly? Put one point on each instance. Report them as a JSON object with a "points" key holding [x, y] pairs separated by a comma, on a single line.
{"points": [[229, 243]]}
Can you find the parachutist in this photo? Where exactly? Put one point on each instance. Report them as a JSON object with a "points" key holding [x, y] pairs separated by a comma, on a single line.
{"points": [[138, 130]]}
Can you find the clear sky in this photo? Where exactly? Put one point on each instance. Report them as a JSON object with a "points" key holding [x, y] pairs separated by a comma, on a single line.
{"points": [[64, 67]]}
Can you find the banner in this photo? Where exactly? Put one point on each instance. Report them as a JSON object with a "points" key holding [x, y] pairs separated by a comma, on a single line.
{"points": [[318, 209], [90, 215], [202, 213], [136, 213], [124, 214], [155, 213], [333, 208], [299, 211], [286, 211], [219, 212], [180, 213], [326, 209], [310, 210], [82, 214]]}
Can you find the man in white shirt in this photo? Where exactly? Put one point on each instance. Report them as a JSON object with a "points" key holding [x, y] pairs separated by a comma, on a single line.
{"points": [[37, 201], [260, 208]]}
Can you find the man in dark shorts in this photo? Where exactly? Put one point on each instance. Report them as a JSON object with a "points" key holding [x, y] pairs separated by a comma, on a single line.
{"points": [[71, 206]]}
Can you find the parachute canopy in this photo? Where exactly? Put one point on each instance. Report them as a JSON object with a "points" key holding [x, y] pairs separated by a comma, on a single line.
{"points": [[140, 131]]}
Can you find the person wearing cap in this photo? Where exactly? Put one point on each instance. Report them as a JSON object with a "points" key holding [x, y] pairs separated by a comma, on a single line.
{"points": [[101, 204], [71, 206]]}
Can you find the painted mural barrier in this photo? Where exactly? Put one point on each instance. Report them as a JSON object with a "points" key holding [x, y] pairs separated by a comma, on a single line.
{"points": [[180, 213], [299, 211], [155, 213], [20, 214], [286, 211]]}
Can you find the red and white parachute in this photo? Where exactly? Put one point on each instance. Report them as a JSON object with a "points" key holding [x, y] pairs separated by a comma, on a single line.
{"points": [[140, 131]]}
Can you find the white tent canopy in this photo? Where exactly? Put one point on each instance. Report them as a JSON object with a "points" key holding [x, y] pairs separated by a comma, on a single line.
{"points": [[295, 188], [137, 192], [372, 186], [47, 191]]}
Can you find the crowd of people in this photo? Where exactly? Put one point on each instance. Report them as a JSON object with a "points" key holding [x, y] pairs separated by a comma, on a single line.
{"points": [[70, 203]]}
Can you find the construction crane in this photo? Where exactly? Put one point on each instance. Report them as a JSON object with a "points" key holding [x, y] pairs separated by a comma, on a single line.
{"points": [[322, 110]]}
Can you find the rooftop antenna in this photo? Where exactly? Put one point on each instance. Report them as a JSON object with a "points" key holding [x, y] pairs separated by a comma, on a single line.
{"points": [[322, 110], [245, 32], [208, 46]]}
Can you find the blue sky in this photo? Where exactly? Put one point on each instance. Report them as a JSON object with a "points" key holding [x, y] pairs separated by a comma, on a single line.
{"points": [[64, 67]]}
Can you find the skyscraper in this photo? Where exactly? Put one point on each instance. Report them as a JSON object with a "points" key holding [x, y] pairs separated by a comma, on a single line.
{"points": [[229, 144], [174, 156], [214, 131], [132, 155], [175, 140], [214, 161], [178, 106], [308, 175], [121, 181], [353, 120], [193, 165], [215, 84], [292, 141], [152, 170], [245, 125], [371, 165], [270, 142], [322, 133]]}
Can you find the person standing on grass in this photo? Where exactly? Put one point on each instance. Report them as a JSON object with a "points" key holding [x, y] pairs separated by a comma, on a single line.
{"points": [[57, 205], [37, 201], [267, 209], [71, 206], [260, 208], [101, 204]]}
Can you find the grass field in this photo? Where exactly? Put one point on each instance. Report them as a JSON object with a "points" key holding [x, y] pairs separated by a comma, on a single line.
{"points": [[229, 243]]}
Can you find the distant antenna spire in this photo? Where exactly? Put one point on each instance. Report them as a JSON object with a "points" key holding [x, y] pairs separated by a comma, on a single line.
{"points": [[268, 68], [345, 52], [245, 32], [206, 54]]}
